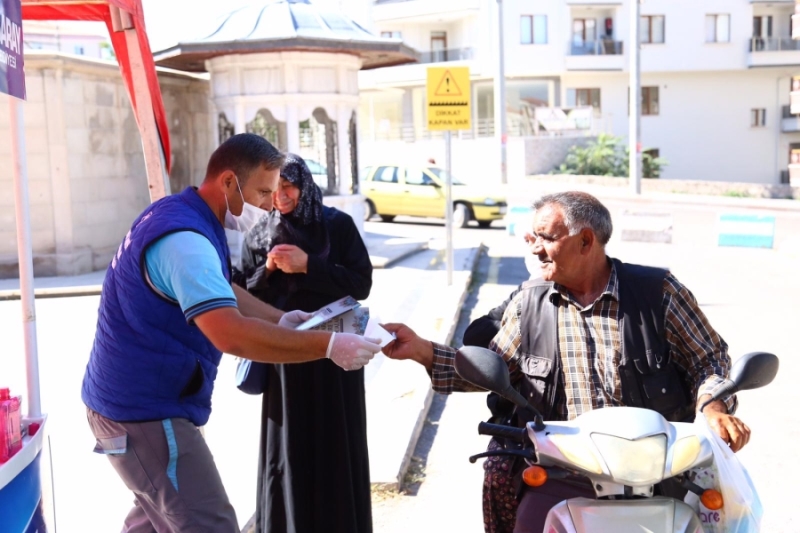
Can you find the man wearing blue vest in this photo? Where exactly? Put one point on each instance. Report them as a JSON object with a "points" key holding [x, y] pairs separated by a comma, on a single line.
{"points": [[167, 312]]}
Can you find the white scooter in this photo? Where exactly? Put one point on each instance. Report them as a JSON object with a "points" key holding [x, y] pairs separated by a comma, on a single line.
{"points": [[623, 451]]}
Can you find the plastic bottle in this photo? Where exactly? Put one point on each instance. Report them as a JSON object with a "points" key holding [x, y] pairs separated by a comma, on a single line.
{"points": [[10, 425]]}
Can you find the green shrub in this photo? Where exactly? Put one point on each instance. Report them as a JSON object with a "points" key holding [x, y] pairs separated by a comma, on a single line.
{"points": [[607, 156]]}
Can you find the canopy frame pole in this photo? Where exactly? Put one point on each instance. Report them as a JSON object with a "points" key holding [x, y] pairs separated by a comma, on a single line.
{"points": [[157, 176], [25, 254]]}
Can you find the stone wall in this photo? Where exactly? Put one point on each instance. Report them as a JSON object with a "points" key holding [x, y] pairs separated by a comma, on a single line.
{"points": [[187, 103], [543, 154], [86, 170]]}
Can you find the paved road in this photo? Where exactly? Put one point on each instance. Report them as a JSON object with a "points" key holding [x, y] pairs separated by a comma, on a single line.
{"points": [[444, 489]]}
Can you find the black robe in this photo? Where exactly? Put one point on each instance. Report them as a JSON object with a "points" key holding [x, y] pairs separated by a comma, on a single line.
{"points": [[313, 462]]}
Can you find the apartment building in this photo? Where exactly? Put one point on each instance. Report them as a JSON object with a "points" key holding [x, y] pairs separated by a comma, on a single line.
{"points": [[80, 38], [716, 76]]}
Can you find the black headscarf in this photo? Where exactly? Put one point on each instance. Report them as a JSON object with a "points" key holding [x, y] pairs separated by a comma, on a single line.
{"points": [[309, 207]]}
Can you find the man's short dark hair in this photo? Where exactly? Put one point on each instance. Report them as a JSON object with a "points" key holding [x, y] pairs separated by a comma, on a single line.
{"points": [[581, 210], [243, 153]]}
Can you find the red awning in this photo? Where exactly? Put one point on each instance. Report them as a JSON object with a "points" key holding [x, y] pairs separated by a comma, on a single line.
{"points": [[104, 10]]}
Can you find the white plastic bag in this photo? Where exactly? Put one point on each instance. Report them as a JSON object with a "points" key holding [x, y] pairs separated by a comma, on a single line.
{"points": [[742, 510]]}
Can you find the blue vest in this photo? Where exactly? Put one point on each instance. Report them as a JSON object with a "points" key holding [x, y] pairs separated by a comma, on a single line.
{"points": [[147, 362]]}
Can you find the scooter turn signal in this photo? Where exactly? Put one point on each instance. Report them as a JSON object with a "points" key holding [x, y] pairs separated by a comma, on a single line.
{"points": [[534, 476]]}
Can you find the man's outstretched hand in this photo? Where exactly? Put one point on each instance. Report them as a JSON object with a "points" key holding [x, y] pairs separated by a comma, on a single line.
{"points": [[408, 345]]}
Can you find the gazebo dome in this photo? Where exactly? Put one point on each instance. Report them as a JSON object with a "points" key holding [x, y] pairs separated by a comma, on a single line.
{"points": [[282, 26]]}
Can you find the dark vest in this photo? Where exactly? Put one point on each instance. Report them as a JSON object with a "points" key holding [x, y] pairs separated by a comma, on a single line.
{"points": [[649, 377], [147, 363]]}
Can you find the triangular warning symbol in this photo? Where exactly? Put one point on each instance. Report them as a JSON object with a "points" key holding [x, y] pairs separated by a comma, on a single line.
{"points": [[448, 86]]}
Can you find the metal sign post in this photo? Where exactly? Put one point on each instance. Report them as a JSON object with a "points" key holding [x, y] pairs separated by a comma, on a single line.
{"points": [[634, 133], [449, 108]]}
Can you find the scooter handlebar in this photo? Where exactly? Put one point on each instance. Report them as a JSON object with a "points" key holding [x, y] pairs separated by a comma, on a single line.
{"points": [[506, 432]]}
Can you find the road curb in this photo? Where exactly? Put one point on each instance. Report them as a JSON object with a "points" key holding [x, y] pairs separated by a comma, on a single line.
{"points": [[55, 292], [379, 261], [423, 414]]}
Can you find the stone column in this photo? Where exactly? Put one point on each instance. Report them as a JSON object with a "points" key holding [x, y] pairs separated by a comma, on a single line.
{"points": [[240, 120], [343, 146], [292, 128]]}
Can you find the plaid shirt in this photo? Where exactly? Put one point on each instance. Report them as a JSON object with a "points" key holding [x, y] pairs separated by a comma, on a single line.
{"points": [[589, 345]]}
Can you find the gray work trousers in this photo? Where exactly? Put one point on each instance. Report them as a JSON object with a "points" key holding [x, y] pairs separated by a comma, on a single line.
{"points": [[169, 468]]}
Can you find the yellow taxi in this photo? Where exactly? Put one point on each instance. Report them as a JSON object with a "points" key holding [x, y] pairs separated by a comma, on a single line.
{"points": [[393, 190]]}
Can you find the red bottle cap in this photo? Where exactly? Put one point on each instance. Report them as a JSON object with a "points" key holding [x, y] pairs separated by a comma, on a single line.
{"points": [[5, 394]]}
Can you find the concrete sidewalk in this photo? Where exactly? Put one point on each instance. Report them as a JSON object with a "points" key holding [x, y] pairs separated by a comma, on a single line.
{"points": [[384, 250]]}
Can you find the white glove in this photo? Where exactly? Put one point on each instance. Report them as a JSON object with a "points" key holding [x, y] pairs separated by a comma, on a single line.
{"points": [[292, 319], [351, 351]]}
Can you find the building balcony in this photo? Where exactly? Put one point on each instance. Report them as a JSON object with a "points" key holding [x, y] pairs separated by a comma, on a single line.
{"points": [[790, 122], [796, 26], [773, 52], [603, 54], [442, 56], [794, 102], [423, 10]]}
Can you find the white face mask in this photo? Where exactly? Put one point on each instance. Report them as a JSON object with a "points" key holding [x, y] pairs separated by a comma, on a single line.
{"points": [[237, 226], [249, 217]]}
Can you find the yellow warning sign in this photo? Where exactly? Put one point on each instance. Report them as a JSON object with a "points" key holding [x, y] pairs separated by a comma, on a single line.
{"points": [[449, 98]]}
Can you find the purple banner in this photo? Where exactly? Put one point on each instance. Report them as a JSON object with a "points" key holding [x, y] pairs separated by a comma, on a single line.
{"points": [[12, 73]]}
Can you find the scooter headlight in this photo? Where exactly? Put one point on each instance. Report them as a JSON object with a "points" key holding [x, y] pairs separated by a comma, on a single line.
{"points": [[576, 452], [684, 453], [633, 462]]}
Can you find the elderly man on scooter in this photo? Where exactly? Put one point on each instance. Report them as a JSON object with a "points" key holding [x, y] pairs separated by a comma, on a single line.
{"points": [[593, 332]]}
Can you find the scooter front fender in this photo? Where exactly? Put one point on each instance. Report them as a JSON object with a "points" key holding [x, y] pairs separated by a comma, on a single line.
{"points": [[656, 515]]}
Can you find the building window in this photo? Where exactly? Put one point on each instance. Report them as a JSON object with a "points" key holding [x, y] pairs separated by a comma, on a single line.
{"points": [[533, 29], [758, 118], [583, 98], [762, 32], [584, 31], [649, 101], [392, 34], [718, 28], [78, 50], [651, 29], [438, 46]]}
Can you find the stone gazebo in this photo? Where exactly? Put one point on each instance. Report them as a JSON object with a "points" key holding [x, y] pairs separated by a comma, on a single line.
{"points": [[288, 70]]}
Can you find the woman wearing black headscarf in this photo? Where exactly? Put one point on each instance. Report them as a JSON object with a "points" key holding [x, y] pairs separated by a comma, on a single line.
{"points": [[313, 464]]}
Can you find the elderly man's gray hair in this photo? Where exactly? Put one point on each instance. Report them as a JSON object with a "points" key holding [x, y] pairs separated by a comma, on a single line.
{"points": [[581, 210]]}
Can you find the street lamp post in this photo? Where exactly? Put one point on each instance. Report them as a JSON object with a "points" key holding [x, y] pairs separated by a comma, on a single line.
{"points": [[634, 134], [500, 97]]}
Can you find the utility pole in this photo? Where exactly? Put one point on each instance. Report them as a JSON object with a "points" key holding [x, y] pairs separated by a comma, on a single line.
{"points": [[634, 134], [500, 97]]}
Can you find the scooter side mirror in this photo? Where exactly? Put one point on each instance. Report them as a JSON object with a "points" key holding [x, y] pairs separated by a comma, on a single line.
{"points": [[487, 370], [483, 368], [754, 370], [751, 371]]}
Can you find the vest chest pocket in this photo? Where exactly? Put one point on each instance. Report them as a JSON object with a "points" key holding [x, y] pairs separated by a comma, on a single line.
{"points": [[660, 389], [537, 372]]}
